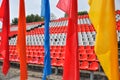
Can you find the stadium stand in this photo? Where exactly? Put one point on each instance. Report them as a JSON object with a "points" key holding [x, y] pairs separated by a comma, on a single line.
{"points": [[58, 28]]}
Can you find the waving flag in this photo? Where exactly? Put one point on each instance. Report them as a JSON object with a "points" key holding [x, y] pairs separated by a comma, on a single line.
{"points": [[4, 16], [64, 5], [45, 12], [102, 15], [71, 64], [21, 42]]}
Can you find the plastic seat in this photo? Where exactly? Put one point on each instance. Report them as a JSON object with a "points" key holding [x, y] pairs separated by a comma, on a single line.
{"points": [[63, 49], [90, 51], [60, 62], [41, 54], [87, 47], [41, 60], [85, 43], [93, 66], [54, 55], [79, 28], [34, 60], [54, 62], [10, 57], [17, 58], [89, 35], [92, 47], [10, 52], [61, 55], [92, 57], [81, 47], [91, 43], [1, 57], [29, 59], [82, 57], [35, 53], [84, 65], [82, 51], [30, 53]]}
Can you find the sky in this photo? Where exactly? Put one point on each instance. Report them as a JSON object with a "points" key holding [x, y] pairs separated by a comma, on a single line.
{"points": [[34, 7]]}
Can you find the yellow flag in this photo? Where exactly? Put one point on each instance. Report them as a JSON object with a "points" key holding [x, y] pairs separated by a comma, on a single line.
{"points": [[102, 15]]}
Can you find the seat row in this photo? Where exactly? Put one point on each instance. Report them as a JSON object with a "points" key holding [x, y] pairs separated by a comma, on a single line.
{"points": [[59, 23], [86, 38], [57, 52], [83, 65]]}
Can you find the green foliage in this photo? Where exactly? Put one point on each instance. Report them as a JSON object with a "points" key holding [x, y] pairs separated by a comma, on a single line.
{"points": [[29, 18], [33, 18], [65, 15], [79, 13], [82, 13], [15, 21]]}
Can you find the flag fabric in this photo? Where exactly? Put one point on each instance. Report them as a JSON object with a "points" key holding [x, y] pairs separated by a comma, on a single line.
{"points": [[2, 6], [21, 41], [4, 17], [64, 5], [102, 15], [45, 12], [71, 64]]}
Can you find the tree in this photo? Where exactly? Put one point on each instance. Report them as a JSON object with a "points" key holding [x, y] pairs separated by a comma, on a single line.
{"points": [[33, 18], [82, 13], [15, 21], [79, 13], [29, 18], [65, 15]]}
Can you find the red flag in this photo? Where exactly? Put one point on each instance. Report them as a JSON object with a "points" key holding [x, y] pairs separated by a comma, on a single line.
{"points": [[71, 65], [4, 15], [64, 5], [21, 42], [2, 8]]}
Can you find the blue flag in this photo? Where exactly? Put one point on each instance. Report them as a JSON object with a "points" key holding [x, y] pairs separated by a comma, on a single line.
{"points": [[45, 12]]}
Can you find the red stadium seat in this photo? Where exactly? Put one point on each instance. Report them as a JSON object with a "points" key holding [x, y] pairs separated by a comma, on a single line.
{"points": [[34, 60], [40, 60], [84, 65], [54, 55], [35, 54], [87, 47], [29, 59], [60, 62], [82, 51], [90, 51], [54, 62], [17, 59], [81, 47], [40, 54], [82, 57], [93, 66], [1, 57], [12, 57], [79, 28], [30, 53], [62, 56], [92, 57]]}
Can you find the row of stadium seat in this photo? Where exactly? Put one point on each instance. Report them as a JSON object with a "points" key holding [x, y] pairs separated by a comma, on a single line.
{"points": [[35, 55], [57, 52], [56, 39], [58, 29], [59, 23]]}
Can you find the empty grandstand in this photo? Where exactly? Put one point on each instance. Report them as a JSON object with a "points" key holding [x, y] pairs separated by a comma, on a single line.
{"points": [[88, 62]]}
